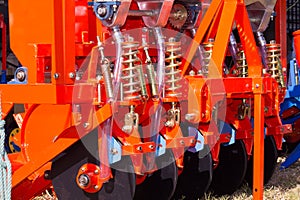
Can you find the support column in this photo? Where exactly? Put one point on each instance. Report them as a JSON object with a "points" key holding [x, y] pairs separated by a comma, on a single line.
{"points": [[258, 155]]}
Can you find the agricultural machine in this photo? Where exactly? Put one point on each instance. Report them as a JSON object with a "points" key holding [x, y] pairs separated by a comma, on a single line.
{"points": [[140, 99], [290, 106]]}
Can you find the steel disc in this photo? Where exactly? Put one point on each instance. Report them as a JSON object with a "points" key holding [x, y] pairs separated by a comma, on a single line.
{"points": [[270, 158], [196, 176], [64, 170], [161, 184], [230, 172]]}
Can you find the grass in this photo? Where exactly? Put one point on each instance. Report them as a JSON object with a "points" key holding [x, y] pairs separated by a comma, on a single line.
{"points": [[284, 185]]}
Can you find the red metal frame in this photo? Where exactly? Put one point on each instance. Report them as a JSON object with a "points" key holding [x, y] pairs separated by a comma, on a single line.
{"points": [[280, 31]]}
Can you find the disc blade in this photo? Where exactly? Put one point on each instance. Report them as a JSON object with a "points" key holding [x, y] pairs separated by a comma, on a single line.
{"points": [[230, 172], [270, 161], [65, 168], [196, 176], [161, 184]]}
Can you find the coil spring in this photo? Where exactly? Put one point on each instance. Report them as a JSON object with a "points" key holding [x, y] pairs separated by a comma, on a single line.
{"points": [[242, 65], [105, 69], [273, 52], [206, 54], [133, 81], [172, 73]]}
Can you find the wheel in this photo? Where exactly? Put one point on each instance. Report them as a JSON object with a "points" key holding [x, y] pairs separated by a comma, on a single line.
{"points": [[64, 171], [162, 183], [230, 172], [12, 136], [270, 161], [196, 176]]}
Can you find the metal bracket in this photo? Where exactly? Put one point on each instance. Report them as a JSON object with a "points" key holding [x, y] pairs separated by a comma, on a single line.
{"points": [[115, 151], [199, 145]]}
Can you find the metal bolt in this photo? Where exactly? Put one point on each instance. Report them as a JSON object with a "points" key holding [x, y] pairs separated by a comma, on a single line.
{"points": [[96, 187], [96, 171], [47, 67], [257, 85], [114, 151], [86, 124], [192, 73], [71, 75], [21, 75], [83, 180], [101, 11], [192, 141], [47, 175], [181, 142], [139, 148], [82, 169], [115, 7], [151, 146], [56, 75]]}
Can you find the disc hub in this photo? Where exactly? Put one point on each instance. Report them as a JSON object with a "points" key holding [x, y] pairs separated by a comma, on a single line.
{"points": [[83, 180], [88, 178]]}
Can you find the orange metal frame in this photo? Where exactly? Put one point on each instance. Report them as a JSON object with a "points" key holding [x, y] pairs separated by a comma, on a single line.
{"points": [[49, 104], [54, 99], [230, 11]]}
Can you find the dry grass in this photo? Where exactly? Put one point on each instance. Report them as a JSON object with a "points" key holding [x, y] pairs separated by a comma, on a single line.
{"points": [[284, 185]]}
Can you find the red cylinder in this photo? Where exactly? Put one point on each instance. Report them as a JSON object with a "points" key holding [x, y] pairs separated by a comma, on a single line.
{"points": [[296, 35]]}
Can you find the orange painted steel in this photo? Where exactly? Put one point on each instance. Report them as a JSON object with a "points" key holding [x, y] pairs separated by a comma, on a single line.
{"points": [[215, 67], [255, 71], [53, 39], [63, 58], [203, 27], [232, 10], [30, 30], [258, 159], [50, 23], [296, 35]]}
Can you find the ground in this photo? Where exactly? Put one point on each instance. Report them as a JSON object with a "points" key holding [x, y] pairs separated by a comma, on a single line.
{"points": [[284, 185]]}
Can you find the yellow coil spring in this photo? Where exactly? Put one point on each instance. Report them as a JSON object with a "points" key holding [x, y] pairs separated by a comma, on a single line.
{"points": [[206, 54], [172, 73], [131, 67], [242, 65], [273, 52]]}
